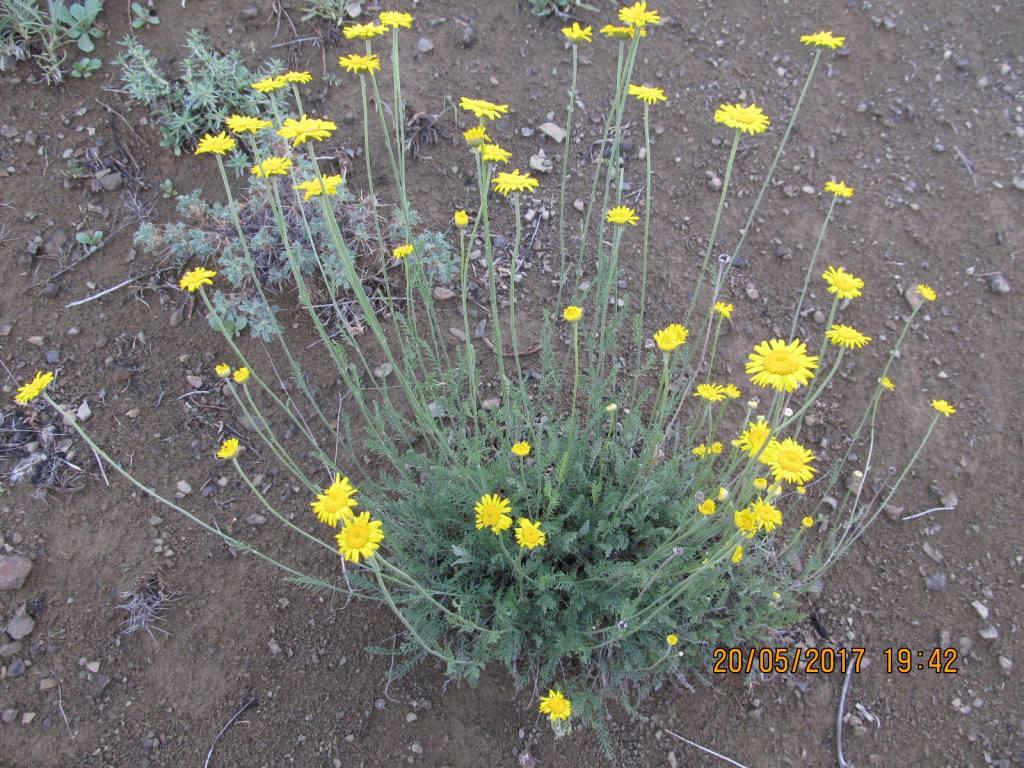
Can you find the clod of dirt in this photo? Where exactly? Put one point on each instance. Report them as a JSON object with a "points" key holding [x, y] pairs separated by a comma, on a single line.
{"points": [[14, 569]]}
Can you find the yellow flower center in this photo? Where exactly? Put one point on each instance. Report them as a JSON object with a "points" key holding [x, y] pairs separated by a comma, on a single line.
{"points": [[781, 362], [357, 534], [790, 459]]}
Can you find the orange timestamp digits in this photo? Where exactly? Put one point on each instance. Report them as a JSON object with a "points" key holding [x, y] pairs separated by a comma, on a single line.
{"points": [[785, 660]]}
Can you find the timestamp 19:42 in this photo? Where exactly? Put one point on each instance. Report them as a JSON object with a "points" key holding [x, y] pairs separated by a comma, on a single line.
{"points": [[827, 660]]}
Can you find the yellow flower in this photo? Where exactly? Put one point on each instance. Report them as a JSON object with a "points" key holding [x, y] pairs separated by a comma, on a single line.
{"points": [[789, 461], [888, 383], [648, 94], [246, 124], [228, 449], [768, 517], [760, 483], [807, 522], [395, 19], [483, 109], [492, 511], [622, 215], [707, 507], [723, 494], [703, 450], [297, 77], [313, 187], [713, 393], [29, 392], [529, 535], [823, 40], [461, 219], [492, 153], [672, 640], [476, 135], [572, 313], [507, 183], [638, 15], [300, 131], [611, 408], [359, 62], [196, 278], [670, 337], [801, 491], [724, 309], [846, 337], [215, 144], [364, 31], [745, 521], [269, 84], [360, 537], [731, 391], [753, 437], [926, 292], [555, 706], [223, 370], [943, 407], [241, 375], [750, 119], [621, 33], [780, 365], [839, 189], [842, 283], [272, 166], [402, 251], [521, 449], [737, 554], [336, 503], [578, 34]]}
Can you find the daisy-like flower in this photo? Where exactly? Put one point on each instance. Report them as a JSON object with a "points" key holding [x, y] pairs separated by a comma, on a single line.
{"points": [[724, 309], [306, 128], [364, 31], [621, 215], [223, 370], [29, 392], [492, 511], [753, 437], [241, 375], [839, 189], [402, 251], [360, 537], [846, 336], [737, 554], [768, 517], [807, 522], [476, 136], [672, 640], [313, 187], [926, 292], [357, 63], [572, 314], [297, 77], [745, 521], [521, 449], [336, 503], [395, 19], [703, 450], [506, 183], [731, 391], [671, 337], [215, 144], [943, 407], [842, 283], [555, 706], [245, 124], [611, 408], [272, 166], [529, 535], [760, 483], [492, 153], [713, 393], [228, 449], [269, 84], [196, 278], [648, 94], [781, 365], [750, 119], [823, 40], [638, 15], [484, 110], [461, 219], [707, 507], [887, 383], [578, 34], [627, 32], [789, 461]]}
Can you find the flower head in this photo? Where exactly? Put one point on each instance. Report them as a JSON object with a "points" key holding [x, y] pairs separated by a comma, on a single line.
{"points": [[842, 283], [753, 437], [521, 449], [578, 34], [713, 393], [300, 131], [297, 77], [476, 136], [768, 517], [886, 382], [336, 502], [492, 511], [703, 450], [357, 63], [807, 522], [461, 219], [241, 375], [572, 313], [402, 251], [839, 189], [760, 483], [29, 392], [723, 309], [737, 554], [272, 166], [847, 337], [638, 15], [789, 461], [670, 337], [484, 110], [395, 19], [359, 537], [364, 31], [506, 183], [750, 119], [731, 391], [622, 33], [707, 507], [228, 449], [781, 365], [492, 153], [648, 94], [529, 535], [943, 407], [246, 124], [672, 640], [196, 278], [621, 215], [745, 521], [555, 706], [823, 40], [215, 144], [313, 187], [269, 84], [223, 370], [926, 292]]}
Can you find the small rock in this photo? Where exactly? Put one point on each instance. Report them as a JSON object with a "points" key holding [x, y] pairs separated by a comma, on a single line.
{"points": [[981, 608], [989, 632], [275, 649], [183, 487], [383, 370], [932, 552], [99, 685], [540, 162], [1018, 182], [458, 333], [47, 683], [1005, 664], [16, 668], [379, 704], [10, 649], [21, 626], [998, 283], [93, 666], [910, 294], [443, 293], [111, 181], [249, 12], [14, 569], [936, 582], [893, 512], [8, 716], [50, 290], [752, 292], [424, 45], [467, 35], [491, 404], [714, 184], [818, 316], [27, 718], [256, 519], [84, 412], [552, 131], [411, 717], [579, 205], [436, 410]]}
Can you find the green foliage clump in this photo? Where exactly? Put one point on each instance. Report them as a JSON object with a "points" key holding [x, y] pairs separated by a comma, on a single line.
{"points": [[29, 31]]}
